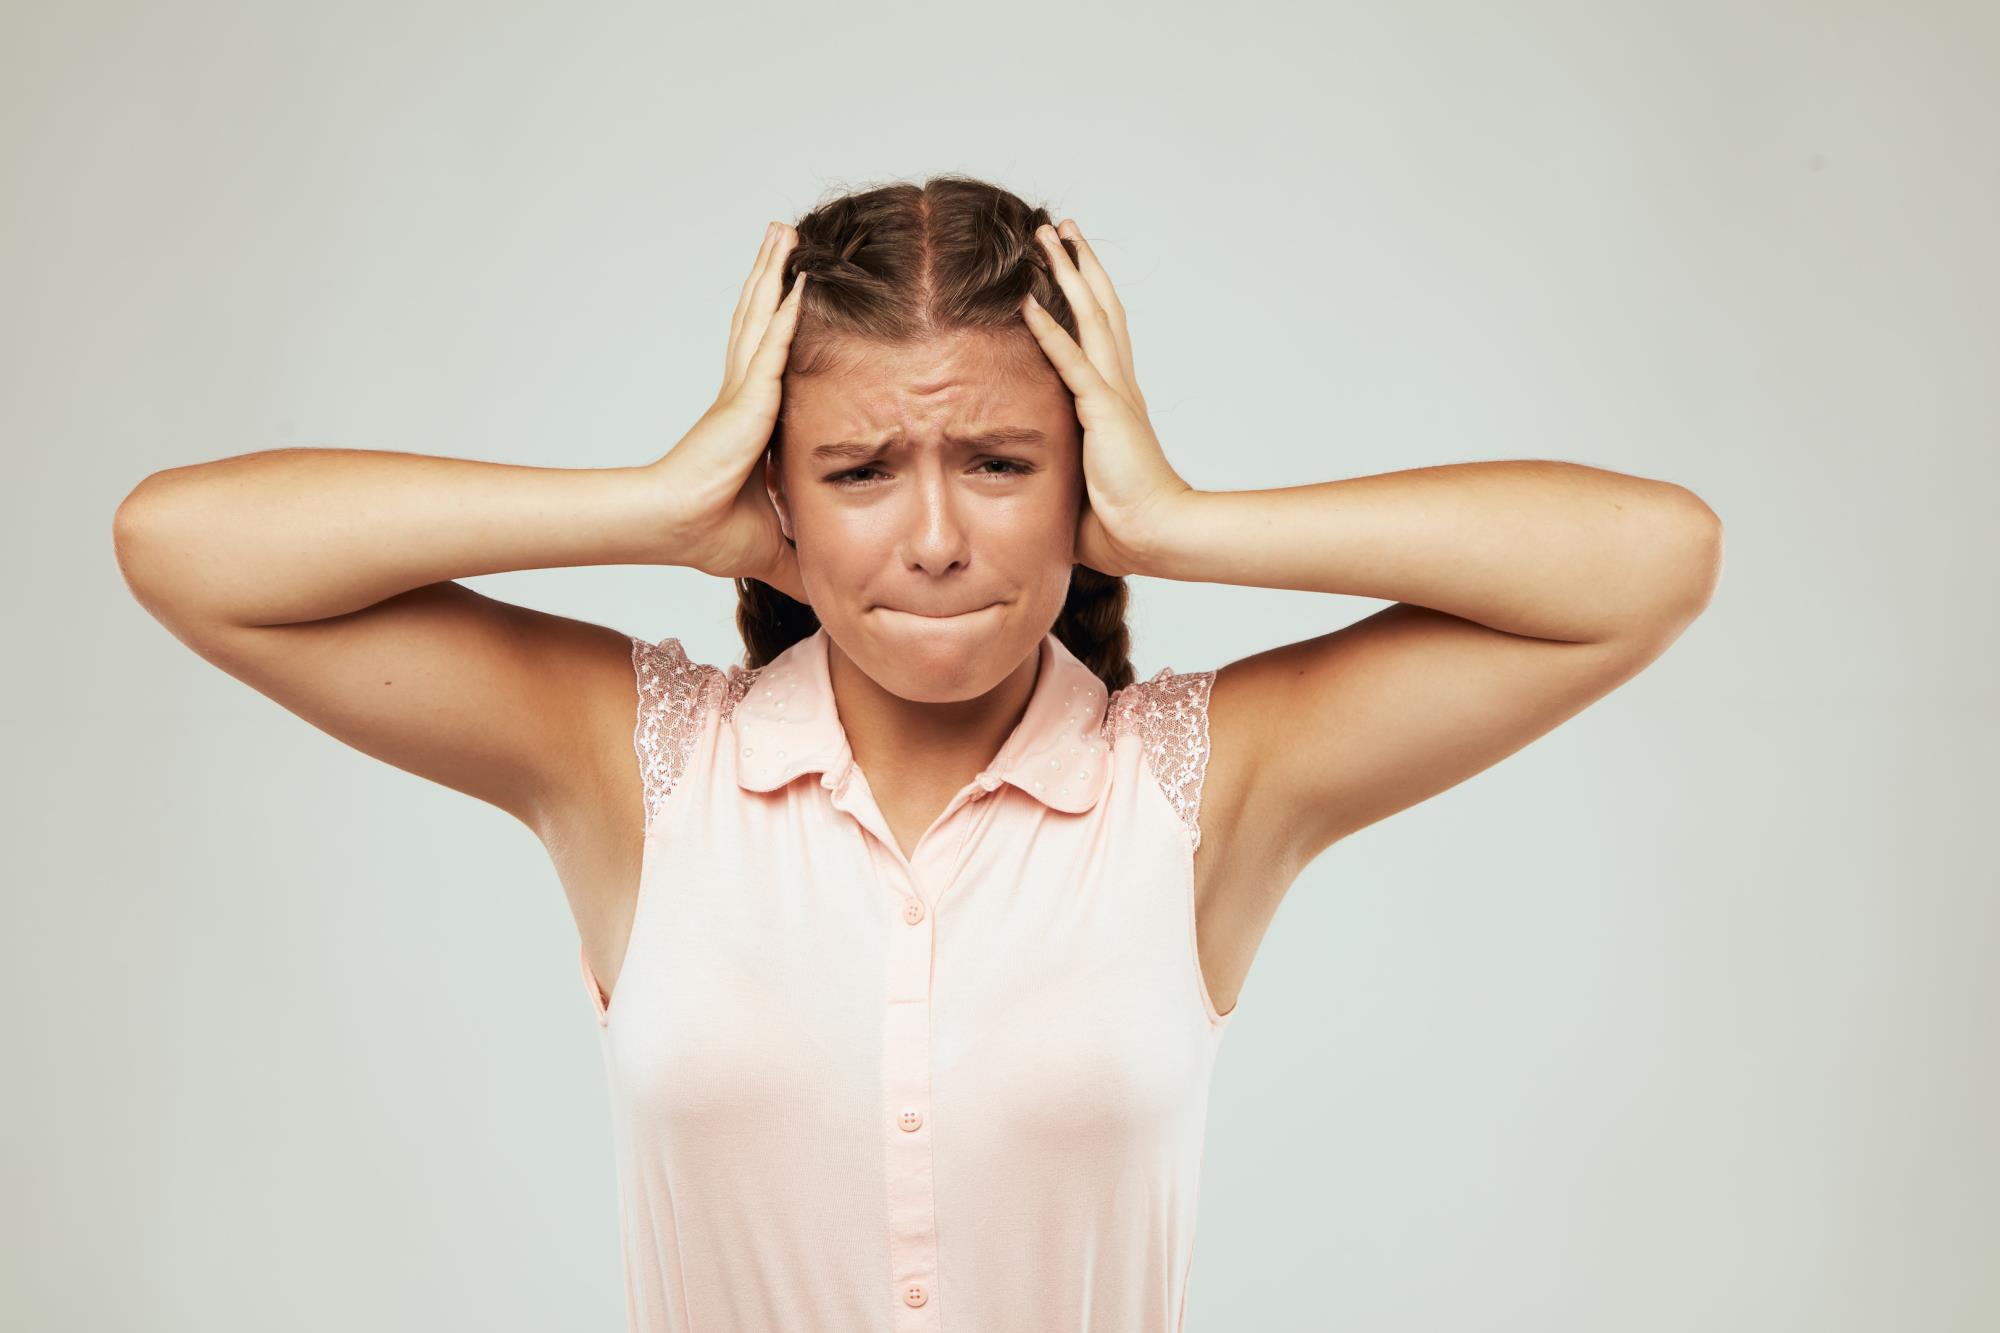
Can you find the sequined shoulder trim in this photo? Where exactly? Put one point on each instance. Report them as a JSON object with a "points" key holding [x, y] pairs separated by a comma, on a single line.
{"points": [[1169, 714], [674, 693]]}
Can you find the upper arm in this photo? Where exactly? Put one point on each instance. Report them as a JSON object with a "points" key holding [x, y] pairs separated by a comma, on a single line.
{"points": [[528, 711], [1333, 733]]}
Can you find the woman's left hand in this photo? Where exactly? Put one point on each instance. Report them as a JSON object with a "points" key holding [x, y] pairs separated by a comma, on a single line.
{"points": [[1129, 485]]}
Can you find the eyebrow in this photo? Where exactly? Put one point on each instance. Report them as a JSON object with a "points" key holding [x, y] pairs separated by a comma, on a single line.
{"points": [[994, 438]]}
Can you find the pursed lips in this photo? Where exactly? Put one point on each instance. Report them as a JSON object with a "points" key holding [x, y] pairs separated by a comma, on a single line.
{"points": [[947, 615]]}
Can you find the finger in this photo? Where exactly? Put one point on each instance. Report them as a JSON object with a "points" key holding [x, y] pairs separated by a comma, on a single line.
{"points": [[1070, 361], [765, 297], [770, 288], [1094, 274], [1099, 281], [767, 367], [749, 284], [1092, 322]]}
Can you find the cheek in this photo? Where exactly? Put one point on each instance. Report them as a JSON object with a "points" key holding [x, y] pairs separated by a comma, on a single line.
{"points": [[1040, 549], [1039, 528], [844, 547], [1051, 518], [852, 531]]}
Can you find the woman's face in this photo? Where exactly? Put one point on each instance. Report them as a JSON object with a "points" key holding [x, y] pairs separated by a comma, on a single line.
{"points": [[933, 491]]}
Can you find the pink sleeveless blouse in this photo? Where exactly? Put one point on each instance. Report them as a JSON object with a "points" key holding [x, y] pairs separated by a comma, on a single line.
{"points": [[966, 1089]]}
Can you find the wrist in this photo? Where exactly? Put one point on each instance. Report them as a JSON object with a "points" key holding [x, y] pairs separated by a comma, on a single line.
{"points": [[638, 519], [1156, 539]]}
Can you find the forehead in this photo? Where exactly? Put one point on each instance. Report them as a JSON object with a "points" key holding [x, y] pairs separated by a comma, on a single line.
{"points": [[921, 390]]}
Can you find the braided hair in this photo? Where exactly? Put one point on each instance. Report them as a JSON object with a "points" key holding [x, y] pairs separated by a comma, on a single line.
{"points": [[904, 263]]}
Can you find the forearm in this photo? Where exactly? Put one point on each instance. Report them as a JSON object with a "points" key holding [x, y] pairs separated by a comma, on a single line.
{"points": [[1545, 549], [291, 535]]}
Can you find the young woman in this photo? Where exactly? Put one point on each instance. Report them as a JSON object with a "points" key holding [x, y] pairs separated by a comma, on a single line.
{"points": [[910, 939]]}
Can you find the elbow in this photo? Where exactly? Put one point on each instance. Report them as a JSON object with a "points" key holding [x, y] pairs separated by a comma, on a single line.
{"points": [[1688, 548], [1701, 561], [127, 517], [133, 513], [137, 537], [1670, 576]]}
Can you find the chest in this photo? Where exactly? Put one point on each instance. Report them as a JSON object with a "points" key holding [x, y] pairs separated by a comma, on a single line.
{"points": [[908, 816], [1021, 970]]}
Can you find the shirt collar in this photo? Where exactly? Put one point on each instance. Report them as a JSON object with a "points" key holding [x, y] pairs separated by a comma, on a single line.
{"points": [[785, 724]]}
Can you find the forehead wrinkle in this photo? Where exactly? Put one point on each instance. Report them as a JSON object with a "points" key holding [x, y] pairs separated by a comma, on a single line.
{"points": [[922, 390], [991, 437]]}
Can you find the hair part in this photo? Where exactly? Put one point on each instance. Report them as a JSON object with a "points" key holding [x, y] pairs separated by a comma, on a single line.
{"points": [[905, 263]]}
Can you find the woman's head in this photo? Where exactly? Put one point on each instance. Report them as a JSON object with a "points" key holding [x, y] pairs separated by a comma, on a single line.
{"points": [[928, 459]]}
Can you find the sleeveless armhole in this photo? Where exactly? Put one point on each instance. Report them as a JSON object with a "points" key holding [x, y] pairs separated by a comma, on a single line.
{"points": [[1169, 714], [670, 690]]}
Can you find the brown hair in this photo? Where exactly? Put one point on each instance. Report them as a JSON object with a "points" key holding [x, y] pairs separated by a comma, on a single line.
{"points": [[903, 263]]}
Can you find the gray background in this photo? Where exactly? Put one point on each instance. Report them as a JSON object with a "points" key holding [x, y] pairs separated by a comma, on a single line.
{"points": [[1682, 1018]]}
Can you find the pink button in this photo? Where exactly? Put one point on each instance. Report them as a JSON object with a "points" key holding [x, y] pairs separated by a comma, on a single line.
{"points": [[914, 1294], [913, 910], [911, 1119]]}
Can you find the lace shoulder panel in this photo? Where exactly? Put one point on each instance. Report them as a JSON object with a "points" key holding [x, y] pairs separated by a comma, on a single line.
{"points": [[1169, 714], [674, 692]]}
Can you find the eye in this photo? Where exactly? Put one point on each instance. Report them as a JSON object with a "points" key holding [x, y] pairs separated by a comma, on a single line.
{"points": [[852, 477]]}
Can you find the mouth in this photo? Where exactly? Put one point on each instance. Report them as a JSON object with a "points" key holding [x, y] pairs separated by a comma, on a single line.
{"points": [[950, 615]]}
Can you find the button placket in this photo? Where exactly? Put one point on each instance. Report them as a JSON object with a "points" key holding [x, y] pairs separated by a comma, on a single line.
{"points": [[906, 1090]]}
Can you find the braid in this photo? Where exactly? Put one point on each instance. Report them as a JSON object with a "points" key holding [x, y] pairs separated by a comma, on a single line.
{"points": [[1092, 625], [769, 621]]}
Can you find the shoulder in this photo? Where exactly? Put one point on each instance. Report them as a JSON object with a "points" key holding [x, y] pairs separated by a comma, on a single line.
{"points": [[1160, 712], [1166, 716], [668, 682], [674, 694]]}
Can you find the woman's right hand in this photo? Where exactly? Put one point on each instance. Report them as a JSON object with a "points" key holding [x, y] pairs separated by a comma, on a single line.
{"points": [[723, 519]]}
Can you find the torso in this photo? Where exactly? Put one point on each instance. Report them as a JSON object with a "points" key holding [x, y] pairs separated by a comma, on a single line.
{"points": [[1007, 969], [1241, 869]]}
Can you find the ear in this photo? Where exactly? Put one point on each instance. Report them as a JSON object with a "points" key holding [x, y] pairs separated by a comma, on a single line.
{"points": [[774, 487]]}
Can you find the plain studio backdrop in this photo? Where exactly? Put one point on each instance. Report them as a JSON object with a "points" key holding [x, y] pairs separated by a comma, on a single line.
{"points": [[1682, 1018]]}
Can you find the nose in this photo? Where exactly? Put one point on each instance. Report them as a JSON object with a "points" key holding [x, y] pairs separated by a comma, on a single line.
{"points": [[935, 537]]}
